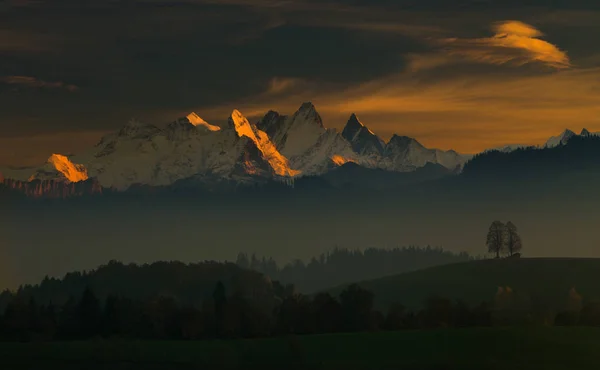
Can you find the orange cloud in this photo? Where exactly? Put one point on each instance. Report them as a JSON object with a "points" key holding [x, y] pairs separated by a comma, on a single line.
{"points": [[514, 42], [468, 113]]}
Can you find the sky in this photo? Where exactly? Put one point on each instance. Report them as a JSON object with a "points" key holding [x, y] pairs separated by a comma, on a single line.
{"points": [[465, 75]]}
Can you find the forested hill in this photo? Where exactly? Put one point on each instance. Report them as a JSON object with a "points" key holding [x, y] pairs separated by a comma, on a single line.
{"points": [[187, 284], [579, 154], [343, 266]]}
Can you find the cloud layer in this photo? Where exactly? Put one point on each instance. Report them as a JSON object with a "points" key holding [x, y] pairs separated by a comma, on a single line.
{"points": [[514, 42], [463, 79]]}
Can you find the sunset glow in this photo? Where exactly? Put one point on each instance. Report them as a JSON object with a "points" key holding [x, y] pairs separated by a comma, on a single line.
{"points": [[72, 171], [278, 162], [483, 78], [339, 160], [349, 162]]}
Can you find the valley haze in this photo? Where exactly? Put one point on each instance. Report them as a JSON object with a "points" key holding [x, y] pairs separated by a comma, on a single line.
{"points": [[193, 191]]}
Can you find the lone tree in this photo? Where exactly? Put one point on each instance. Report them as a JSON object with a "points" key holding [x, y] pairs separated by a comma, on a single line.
{"points": [[513, 239], [496, 238]]}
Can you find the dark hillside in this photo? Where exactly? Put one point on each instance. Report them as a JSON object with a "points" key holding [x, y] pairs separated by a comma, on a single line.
{"points": [[546, 281], [186, 283]]}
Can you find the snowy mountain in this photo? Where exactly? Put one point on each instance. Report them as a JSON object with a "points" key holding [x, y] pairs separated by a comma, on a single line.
{"points": [[563, 138], [294, 135], [552, 142], [60, 167], [403, 153], [508, 148], [363, 140], [310, 147], [278, 148], [144, 154], [313, 149], [195, 120]]}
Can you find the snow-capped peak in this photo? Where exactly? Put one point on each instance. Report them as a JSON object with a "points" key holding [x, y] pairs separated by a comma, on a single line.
{"points": [[585, 132], [363, 140], [271, 123], [241, 125], [60, 167], [307, 106], [136, 129], [402, 141], [507, 148], [278, 162], [308, 113], [72, 171], [197, 121], [294, 135], [560, 139], [352, 127]]}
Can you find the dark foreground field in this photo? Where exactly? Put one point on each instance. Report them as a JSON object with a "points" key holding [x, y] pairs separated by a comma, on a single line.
{"points": [[477, 349]]}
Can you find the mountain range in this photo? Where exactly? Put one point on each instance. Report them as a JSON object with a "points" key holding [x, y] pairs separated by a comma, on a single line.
{"points": [[277, 148]]}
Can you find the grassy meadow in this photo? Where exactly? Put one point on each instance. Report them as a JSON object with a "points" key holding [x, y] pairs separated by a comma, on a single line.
{"points": [[478, 349]]}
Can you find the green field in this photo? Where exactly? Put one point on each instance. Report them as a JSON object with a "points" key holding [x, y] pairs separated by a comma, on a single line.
{"points": [[547, 280], [478, 349]]}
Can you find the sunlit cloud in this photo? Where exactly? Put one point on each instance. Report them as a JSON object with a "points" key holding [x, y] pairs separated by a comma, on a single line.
{"points": [[279, 85], [466, 113], [514, 43], [32, 82], [443, 104]]}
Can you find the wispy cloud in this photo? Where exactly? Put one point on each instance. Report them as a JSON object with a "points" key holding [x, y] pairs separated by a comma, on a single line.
{"points": [[514, 42], [32, 82], [464, 113], [279, 85]]}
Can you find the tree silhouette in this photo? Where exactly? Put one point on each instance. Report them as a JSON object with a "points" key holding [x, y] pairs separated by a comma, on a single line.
{"points": [[357, 308], [220, 302], [496, 238], [396, 317], [342, 266], [513, 239], [89, 314], [328, 313]]}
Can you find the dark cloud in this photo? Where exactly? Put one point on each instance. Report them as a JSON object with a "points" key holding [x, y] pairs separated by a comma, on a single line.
{"points": [[34, 83], [158, 59]]}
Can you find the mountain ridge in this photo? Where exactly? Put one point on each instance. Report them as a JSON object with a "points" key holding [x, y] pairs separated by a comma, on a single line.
{"points": [[276, 147]]}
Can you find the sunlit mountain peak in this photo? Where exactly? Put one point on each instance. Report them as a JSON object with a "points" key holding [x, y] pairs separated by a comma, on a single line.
{"points": [[197, 121], [278, 162], [72, 171]]}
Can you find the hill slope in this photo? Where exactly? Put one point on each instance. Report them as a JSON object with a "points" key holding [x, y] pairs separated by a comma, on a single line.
{"points": [[544, 280]]}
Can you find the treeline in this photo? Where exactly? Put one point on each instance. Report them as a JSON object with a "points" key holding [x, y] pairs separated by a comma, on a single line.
{"points": [[228, 316], [579, 153], [187, 284], [343, 266]]}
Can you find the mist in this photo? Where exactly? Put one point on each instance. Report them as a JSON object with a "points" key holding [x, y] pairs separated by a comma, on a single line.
{"points": [[40, 238]]}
